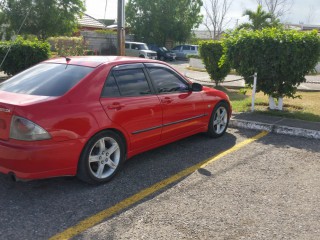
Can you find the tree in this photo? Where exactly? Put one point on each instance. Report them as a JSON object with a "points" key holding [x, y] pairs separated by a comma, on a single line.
{"points": [[278, 8], [45, 18], [216, 11], [211, 53], [156, 21], [281, 59], [259, 19]]}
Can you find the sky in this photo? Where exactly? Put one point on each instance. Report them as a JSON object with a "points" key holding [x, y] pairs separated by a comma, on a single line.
{"points": [[302, 11]]}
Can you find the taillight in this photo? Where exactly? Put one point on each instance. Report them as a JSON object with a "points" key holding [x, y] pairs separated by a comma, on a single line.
{"points": [[24, 129]]}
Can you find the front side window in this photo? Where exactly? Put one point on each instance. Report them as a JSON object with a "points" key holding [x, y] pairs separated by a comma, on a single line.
{"points": [[132, 82], [187, 48], [167, 81], [46, 79], [143, 47]]}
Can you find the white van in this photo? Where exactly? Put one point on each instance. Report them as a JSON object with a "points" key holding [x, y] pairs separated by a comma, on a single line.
{"points": [[139, 49]]}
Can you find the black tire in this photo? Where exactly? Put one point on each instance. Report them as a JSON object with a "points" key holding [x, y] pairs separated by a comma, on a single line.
{"points": [[107, 153], [219, 120]]}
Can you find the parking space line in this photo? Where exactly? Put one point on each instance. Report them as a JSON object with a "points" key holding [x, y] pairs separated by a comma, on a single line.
{"points": [[99, 217]]}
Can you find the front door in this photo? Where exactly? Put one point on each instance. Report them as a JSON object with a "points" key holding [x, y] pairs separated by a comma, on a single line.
{"points": [[183, 109]]}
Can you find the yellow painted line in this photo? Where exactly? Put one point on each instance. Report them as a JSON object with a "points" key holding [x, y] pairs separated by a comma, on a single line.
{"points": [[99, 217]]}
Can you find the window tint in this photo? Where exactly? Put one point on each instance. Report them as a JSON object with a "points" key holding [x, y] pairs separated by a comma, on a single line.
{"points": [[167, 81], [127, 45], [111, 88], [46, 79], [193, 48], [186, 48], [132, 82], [176, 48]]}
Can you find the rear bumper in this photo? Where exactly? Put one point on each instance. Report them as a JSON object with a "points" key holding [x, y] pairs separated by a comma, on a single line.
{"points": [[40, 160]]}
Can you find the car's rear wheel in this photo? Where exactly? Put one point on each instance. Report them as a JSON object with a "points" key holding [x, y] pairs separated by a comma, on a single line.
{"points": [[101, 158], [219, 120]]}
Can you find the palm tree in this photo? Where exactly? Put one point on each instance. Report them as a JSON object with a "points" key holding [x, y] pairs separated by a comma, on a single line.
{"points": [[259, 19]]}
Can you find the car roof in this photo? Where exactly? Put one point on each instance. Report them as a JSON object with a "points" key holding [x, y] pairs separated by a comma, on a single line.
{"points": [[95, 61], [186, 45], [135, 42]]}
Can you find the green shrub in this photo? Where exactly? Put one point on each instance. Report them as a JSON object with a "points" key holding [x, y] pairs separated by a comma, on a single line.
{"points": [[106, 31], [281, 58], [211, 53], [69, 46], [23, 54]]}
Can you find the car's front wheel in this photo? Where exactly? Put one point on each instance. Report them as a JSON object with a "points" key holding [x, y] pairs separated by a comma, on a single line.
{"points": [[101, 158], [219, 120]]}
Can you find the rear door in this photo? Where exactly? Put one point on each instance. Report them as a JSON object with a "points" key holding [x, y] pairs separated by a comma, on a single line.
{"points": [[129, 101], [183, 110]]}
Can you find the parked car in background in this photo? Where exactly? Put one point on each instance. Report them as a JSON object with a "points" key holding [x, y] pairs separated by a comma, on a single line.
{"points": [[182, 51], [139, 49], [85, 116], [163, 53]]}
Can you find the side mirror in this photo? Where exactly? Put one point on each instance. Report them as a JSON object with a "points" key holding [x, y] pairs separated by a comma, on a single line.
{"points": [[196, 87]]}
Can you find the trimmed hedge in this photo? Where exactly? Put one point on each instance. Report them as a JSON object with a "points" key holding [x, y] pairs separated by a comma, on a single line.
{"points": [[281, 58], [211, 53], [23, 54], [69, 46]]}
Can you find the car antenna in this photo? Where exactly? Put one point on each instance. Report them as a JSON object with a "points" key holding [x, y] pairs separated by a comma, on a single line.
{"points": [[67, 60]]}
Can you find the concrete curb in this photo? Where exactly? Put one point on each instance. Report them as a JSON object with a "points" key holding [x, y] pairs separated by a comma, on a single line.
{"points": [[274, 128]]}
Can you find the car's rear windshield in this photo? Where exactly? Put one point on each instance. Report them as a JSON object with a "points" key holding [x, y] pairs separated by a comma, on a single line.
{"points": [[46, 79]]}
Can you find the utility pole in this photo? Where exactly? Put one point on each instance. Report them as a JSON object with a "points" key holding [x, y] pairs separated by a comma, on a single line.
{"points": [[121, 30]]}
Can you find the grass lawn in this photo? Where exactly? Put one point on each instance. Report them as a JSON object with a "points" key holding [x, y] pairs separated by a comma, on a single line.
{"points": [[306, 108]]}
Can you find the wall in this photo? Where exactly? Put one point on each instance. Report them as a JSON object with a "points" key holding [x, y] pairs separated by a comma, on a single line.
{"points": [[318, 67], [102, 44], [196, 63]]}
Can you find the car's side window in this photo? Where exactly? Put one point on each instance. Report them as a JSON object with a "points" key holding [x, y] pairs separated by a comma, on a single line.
{"points": [[132, 82], [167, 81], [186, 47], [110, 89], [193, 48], [127, 82], [127, 45]]}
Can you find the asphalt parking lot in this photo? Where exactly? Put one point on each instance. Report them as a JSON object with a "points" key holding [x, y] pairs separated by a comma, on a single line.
{"points": [[265, 189]]}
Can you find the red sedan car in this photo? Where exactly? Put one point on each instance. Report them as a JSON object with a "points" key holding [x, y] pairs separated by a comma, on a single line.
{"points": [[85, 116]]}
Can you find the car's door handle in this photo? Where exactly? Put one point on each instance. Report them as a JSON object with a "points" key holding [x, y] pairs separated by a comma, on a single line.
{"points": [[166, 100], [116, 106]]}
